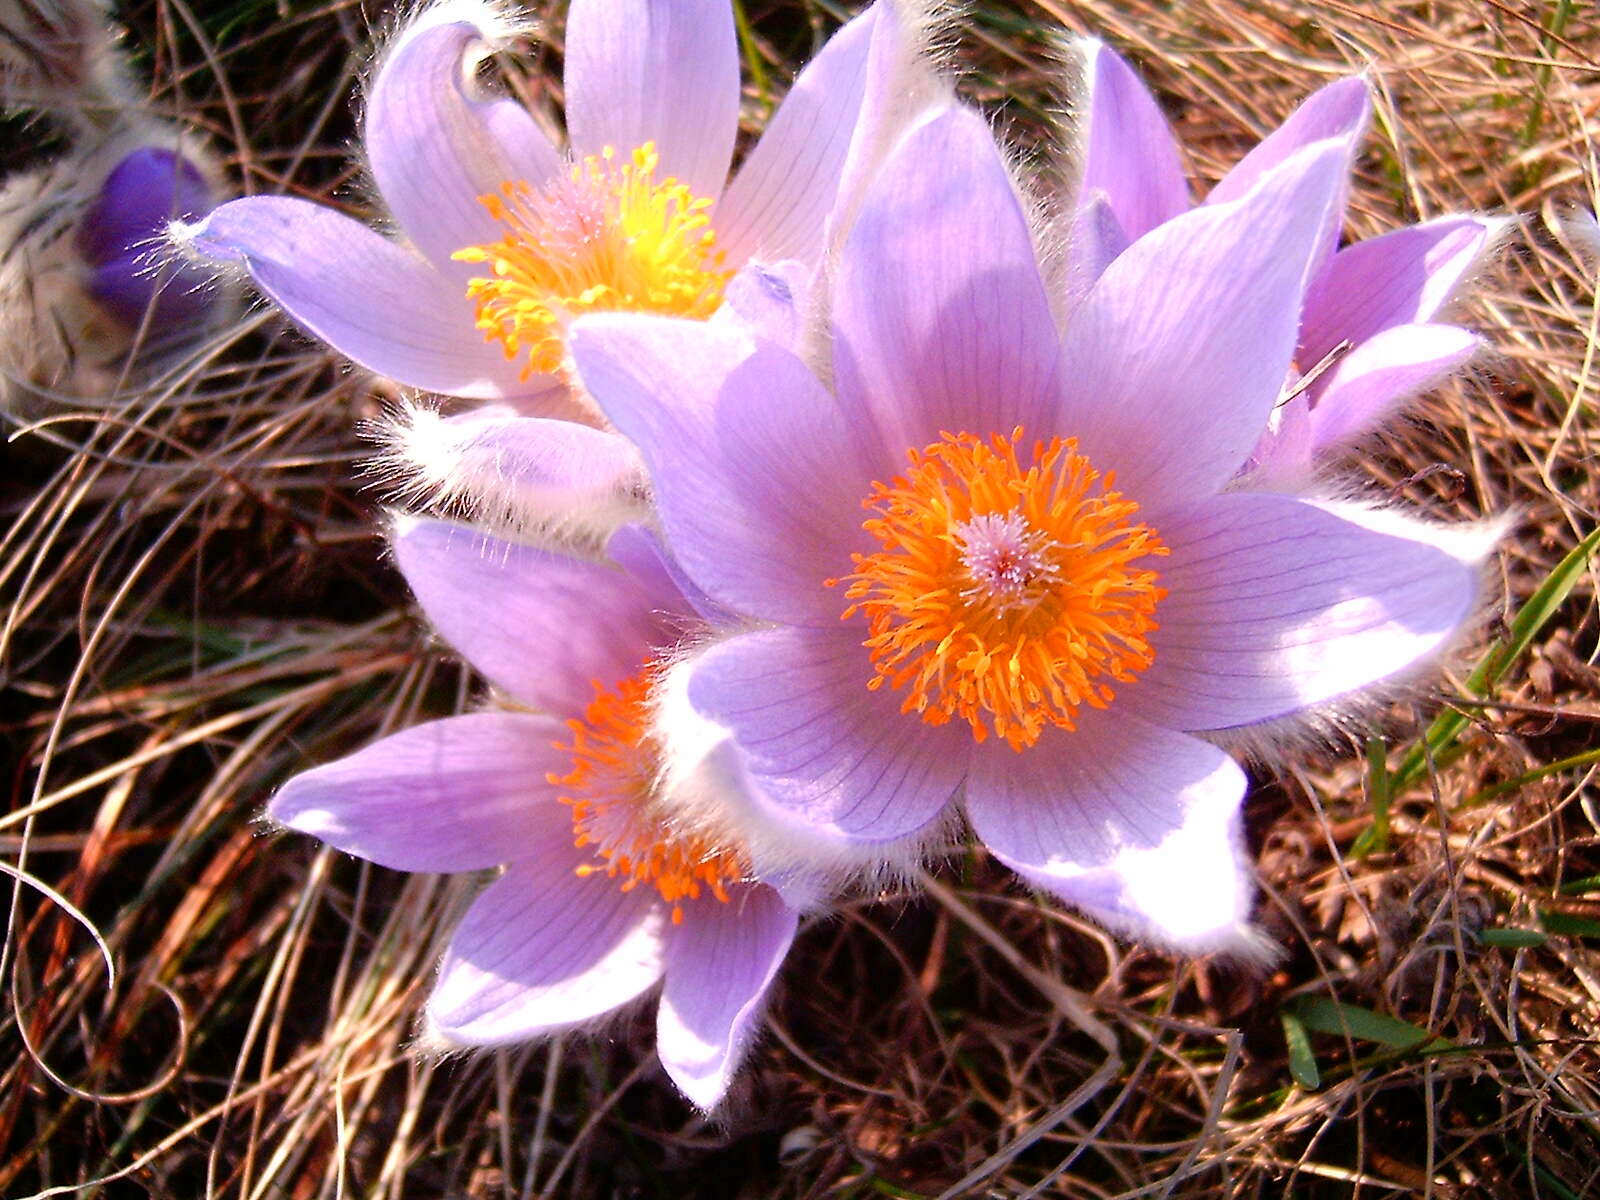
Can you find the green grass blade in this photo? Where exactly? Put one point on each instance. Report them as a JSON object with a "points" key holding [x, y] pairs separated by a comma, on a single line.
{"points": [[1302, 1063], [1322, 1015]]}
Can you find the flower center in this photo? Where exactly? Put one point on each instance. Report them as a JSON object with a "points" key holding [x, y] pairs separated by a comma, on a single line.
{"points": [[1004, 593], [610, 791], [606, 238]]}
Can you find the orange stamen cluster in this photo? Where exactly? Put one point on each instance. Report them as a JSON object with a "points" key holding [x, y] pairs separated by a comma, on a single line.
{"points": [[1005, 593], [609, 791], [606, 238]]}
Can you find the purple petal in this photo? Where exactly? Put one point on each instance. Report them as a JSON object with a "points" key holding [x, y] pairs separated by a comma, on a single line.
{"points": [[1401, 278], [767, 299], [541, 626], [368, 298], [1124, 147], [435, 144], [639, 550], [720, 964], [759, 476], [1382, 373], [777, 204], [459, 794], [1275, 604], [1173, 363], [665, 71], [1339, 110], [842, 764], [940, 249], [1135, 825], [1093, 244], [543, 950], [146, 190], [519, 472]]}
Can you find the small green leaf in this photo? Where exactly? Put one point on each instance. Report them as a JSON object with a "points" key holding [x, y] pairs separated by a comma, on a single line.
{"points": [[1374, 838], [1512, 939], [1302, 1063], [1578, 887], [1569, 924], [1322, 1015]]}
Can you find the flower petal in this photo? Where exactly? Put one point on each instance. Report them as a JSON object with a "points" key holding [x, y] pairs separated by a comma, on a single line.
{"points": [[459, 794], [720, 965], [543, 950], [1339, 110], [539, 625], [940, 248], [1275, 604], [1173, 362], [1095, 240], [1123, 146], [767, 299], [1400, 278], [527, 475], [665, 71], [759, 474], [368, 298], [1380, 374], [436, 145], [777, 204], [840, 762], [1136, 826]]}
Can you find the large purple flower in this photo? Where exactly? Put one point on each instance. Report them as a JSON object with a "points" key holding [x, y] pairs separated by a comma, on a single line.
{"points": [[600, 901], [1370, 311], [997, 562], [508, 236]]}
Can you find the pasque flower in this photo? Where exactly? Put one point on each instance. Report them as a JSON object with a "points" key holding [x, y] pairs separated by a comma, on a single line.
{"points": [[508, 236], [1370, 336], [991, 562], [601, 899]]}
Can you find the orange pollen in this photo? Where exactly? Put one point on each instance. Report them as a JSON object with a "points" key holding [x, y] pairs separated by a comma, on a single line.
{"points": [[608, 237], [1005, 593], [610, 790]]}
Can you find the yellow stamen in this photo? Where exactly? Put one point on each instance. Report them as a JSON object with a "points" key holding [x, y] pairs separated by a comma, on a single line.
{"points": [[606, 238], [1004, 593], [610, 788]]}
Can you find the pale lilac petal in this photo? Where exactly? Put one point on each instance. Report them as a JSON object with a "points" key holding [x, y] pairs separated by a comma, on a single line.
{"points": [[1380, 374], [1338, 110], [543, 950], [1274, 604], [519, 472], [844, 763], [1093, 243], [1400, 278], [639, 550], [368, 298], [665, 71], [1136, 826], [759, 474], [459, 794], [777, 204], [436, 145], [539, 625], [1172, 364], [941, 320], [721, 962], [767, 300], [1124, 146]]}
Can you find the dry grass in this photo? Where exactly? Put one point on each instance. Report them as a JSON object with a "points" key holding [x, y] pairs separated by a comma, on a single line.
{"points": [[194, 609]]}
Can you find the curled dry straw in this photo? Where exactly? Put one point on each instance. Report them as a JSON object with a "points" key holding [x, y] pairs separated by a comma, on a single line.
{"points": [[193, 610]]}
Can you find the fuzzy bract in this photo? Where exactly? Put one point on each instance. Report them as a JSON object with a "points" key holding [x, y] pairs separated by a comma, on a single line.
{"points": [[600, 899], [997, 568], [1370, 336]]}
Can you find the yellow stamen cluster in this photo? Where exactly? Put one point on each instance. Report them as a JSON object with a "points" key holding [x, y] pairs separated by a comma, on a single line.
{"points": [[1005, 593], [608, 237], [609, 791]]}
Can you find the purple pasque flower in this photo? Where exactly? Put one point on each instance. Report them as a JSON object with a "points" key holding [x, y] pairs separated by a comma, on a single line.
{"points": [[121, 237], [507, 235], [600, 900], [1369, 339], [996, 563]]}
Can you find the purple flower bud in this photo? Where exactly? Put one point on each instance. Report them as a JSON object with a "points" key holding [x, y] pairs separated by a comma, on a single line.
{"points": [[121, 236]]}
